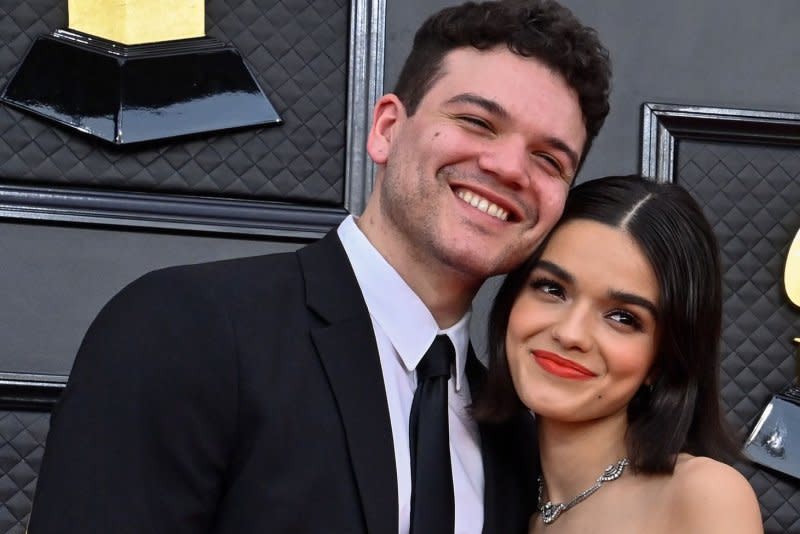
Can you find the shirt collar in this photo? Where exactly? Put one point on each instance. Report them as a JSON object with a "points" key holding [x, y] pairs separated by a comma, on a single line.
{"points": [[399, 312]]}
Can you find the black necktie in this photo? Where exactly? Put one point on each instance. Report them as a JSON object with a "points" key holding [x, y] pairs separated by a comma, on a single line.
{"points": [[432, 501]]}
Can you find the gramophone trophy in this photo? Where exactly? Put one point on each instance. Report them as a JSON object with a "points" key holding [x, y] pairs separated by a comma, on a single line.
{"points": [[775, 439]]}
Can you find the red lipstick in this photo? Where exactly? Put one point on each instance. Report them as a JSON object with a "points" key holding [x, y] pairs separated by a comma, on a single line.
{"points": [[556, 365]]}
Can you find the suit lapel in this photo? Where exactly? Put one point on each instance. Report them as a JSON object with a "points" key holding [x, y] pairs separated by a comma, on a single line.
{"points": [[349, 355]]}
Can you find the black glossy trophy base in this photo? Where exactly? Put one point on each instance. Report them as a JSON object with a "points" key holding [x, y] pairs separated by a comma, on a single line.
{"points": [[775, 440], [129, 94]]}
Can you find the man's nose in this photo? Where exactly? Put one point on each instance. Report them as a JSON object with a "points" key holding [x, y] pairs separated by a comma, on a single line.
{"points": [[508, 160]]}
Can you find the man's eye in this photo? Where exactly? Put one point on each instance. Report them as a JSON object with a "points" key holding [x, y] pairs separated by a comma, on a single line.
{"points": [[476, 121], [552, 163]]}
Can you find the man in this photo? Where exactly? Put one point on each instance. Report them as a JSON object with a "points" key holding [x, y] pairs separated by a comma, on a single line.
{"points": [[276, 394]]}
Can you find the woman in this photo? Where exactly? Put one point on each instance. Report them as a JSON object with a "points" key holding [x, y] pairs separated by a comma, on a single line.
{"points": [[610, 334]]}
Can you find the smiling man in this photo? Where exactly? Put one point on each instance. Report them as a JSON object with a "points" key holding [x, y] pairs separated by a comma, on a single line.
{"points": [[495, 143], [327, 390]]}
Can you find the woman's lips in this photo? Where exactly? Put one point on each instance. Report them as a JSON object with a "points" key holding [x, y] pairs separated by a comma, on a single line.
{"points": [[555, 364]]}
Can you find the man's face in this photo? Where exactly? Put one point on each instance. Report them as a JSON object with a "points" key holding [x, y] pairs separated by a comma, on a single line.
{"points": [[475, 179]]}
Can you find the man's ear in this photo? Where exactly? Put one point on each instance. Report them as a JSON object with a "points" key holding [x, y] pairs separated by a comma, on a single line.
{"points": [[389, 113]]}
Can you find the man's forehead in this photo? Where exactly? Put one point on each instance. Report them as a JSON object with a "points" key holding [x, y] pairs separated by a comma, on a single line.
{"points": [[468, 67]]}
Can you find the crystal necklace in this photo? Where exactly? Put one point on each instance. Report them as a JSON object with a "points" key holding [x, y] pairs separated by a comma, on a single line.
{"points": [[551, 511]]}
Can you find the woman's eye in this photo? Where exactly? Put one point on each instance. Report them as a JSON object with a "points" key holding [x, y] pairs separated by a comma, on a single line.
{"points": [[548, 287], [625, 318]]}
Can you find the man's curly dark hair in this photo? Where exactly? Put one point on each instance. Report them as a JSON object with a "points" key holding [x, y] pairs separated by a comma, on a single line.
{"points": [[541, 29]]}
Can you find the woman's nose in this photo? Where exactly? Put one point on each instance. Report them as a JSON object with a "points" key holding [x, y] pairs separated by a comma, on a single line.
{"points": [[573, 330]]}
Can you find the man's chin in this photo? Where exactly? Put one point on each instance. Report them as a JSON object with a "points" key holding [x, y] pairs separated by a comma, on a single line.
{"points": [[476, 267]]}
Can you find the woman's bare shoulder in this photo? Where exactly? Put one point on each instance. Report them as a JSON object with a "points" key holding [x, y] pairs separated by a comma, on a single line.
{"points": [[711, 497]]}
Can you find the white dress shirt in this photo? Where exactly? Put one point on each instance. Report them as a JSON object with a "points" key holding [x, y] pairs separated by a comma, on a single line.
{"points": [[404, 329]]}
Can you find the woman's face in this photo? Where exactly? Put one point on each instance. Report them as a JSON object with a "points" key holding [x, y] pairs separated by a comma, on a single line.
{"points": [[581, 335]]}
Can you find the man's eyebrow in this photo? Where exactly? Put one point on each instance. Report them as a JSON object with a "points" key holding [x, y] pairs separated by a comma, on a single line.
{"points": [[559, 144], [496, 109], [489, 105]]}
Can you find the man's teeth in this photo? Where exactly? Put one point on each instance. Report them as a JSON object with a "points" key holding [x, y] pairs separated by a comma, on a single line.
{"points": [[482, 204]]}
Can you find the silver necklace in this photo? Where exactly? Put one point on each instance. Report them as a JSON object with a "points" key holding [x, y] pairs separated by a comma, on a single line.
{"points": [[551, 511]]}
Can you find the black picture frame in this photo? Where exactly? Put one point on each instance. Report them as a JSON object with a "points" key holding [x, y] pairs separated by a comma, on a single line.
{"points": [[26, 405], [153, 211], [664, 125], [35, 392]]}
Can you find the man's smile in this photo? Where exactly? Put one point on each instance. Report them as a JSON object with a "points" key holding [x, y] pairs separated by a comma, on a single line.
{"points": [[483, 204]]}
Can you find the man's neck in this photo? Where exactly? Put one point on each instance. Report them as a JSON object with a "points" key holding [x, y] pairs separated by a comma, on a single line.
{"points": [[446, 292]]}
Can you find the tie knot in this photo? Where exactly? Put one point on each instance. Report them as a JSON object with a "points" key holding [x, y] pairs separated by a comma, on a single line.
{"points": [[437, 359]]}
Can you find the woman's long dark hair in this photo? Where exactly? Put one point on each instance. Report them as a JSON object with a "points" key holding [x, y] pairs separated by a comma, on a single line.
{"points": [[681, 413]]}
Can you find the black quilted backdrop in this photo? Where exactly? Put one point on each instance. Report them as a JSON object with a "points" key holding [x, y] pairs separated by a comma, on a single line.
{"points": [[298, 51], [751, 194], [22, 438]]}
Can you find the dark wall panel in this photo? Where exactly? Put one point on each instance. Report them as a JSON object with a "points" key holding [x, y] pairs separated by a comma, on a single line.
{"points": [[54, 280], [751, 195], [298, 53]]}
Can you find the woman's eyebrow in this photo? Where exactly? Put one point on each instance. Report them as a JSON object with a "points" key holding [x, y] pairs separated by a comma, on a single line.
{"points": [[630, 298], [555, 270], [613, 294]]}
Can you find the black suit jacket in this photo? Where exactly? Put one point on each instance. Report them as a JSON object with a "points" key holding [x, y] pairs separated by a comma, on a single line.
{"points": [[244, 396]]}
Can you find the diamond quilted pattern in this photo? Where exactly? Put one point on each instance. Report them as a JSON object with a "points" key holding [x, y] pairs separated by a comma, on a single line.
{"points": [[297, 50], [751, 194], [22, 438]]}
